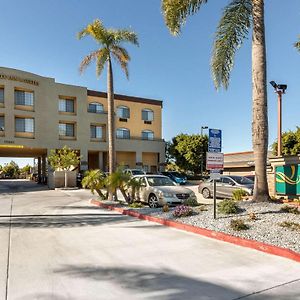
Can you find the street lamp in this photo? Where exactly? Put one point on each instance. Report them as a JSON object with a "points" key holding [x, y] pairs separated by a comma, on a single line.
{"points": [[202, 153], [279, 90]]}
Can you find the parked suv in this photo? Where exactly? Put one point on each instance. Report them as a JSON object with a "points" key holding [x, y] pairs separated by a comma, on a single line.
{"points": [[175, 176], [225, 186]]}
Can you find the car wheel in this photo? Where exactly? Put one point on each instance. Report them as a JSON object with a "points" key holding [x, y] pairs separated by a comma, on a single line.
{"points": [[153, 201], [206, 193]]}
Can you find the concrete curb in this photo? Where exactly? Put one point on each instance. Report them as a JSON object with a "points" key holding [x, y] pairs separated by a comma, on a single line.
{"points": [[270, 249]]}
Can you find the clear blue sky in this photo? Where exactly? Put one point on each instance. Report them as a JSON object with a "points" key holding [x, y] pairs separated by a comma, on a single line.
{"points": [[40, 37]]}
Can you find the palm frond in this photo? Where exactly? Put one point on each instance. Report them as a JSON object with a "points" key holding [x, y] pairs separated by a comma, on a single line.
{"points": [[87, 60], [124, 35], [122, 57], [102, 57], [232, 29], [95, 30], [297, 44], [176, 12]]}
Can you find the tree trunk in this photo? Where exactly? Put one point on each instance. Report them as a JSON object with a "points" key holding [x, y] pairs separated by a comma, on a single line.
{"points": [[260, 105], [111, 122]]}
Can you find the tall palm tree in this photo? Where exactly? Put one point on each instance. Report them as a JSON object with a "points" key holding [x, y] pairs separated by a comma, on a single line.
{"points": [[110, 41], [239, 16]]}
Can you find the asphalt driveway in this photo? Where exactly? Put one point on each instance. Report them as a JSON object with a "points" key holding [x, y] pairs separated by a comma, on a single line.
{"points": [[54, 245]]}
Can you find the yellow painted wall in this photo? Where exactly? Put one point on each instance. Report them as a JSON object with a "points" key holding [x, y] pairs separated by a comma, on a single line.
{"points": [[126, 158]]}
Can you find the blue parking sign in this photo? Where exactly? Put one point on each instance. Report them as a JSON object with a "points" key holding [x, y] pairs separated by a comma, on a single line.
{"points": [[214, 140]]}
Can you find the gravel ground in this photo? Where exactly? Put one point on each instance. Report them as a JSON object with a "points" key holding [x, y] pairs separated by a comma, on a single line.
{"points": [[264, 229]]}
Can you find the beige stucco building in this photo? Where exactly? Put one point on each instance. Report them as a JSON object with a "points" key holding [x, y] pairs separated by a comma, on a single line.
{"points": [[38, 114]]}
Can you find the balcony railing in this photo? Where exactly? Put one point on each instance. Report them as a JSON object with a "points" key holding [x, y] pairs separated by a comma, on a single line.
{"points": [[140, 139]]}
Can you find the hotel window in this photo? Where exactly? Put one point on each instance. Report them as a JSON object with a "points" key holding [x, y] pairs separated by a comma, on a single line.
{"points": [[123, 133], [66, 129], [96, 132], [24, 125], [147, 135], [147, 115], [1, 95], [24, 98], [123, 112], [96, 108], [66, 105], [1, 123]]}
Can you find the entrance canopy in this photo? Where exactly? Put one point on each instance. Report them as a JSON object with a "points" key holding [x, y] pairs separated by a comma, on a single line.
{"points": [[21, 151]]}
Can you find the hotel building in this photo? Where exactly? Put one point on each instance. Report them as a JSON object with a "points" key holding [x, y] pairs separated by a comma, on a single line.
{"points": [[38, 114]]}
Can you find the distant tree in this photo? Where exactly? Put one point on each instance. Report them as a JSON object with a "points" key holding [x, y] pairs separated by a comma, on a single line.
{"points": [[297, 44], [188, 151], [26, 169], [290, 143], [64, 159], [11, 170]]}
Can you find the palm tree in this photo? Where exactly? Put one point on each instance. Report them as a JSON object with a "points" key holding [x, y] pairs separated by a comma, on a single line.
{"points": [[95, 180], [237, 19], [110, 41], [297, 44], [118, 180]]}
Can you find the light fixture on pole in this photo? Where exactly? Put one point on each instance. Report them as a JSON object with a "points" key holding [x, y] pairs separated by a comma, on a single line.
{"points": [[279, 90], [202, 152]]}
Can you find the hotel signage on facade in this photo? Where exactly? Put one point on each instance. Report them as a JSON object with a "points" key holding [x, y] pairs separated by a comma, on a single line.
{"points": [[16, 78]]}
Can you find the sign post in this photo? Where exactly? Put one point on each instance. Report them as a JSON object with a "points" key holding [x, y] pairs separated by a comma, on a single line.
{"points": [[215, 160]]}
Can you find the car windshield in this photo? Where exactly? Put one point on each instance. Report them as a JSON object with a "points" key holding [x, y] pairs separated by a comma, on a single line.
{"points": [[137, 172], [160, 181], [176, 174], [241, 180]]}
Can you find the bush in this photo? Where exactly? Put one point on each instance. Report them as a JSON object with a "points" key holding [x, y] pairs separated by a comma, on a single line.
{"points": [[136, 205], [238, 225], [191, 202], [182, 211], [290, 209], [166, 208], [238, 195], [290, 225], [228, 207]]}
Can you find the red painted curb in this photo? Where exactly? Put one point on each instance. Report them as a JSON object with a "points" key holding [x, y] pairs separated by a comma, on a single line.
{"points": [[270, 249]]}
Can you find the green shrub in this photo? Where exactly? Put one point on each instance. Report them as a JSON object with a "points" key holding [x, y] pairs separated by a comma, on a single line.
{"points": [[290, 209], [228, 207], [238, 195], [290, 225], [238, 225], [191, 202], [136, 205]]}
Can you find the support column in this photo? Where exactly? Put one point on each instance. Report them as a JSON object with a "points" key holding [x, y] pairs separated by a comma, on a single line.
{"points": [[44, 166], [101, 166], [84, 160], [139, 160], [39, 169]]}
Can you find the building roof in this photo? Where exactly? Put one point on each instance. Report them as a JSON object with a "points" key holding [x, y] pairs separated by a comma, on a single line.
{"points": [[125, 98]]}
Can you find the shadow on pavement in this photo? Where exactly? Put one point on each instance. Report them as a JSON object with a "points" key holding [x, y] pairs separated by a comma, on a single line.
{"points": [[62, 220], [163, 284], [20, 186]]}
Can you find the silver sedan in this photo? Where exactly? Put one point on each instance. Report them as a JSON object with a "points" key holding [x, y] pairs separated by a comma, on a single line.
{"points": [[157, 190]]}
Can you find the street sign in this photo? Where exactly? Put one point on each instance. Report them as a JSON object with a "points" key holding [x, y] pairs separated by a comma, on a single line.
{"points": [[214, 140], [214, 160], [215, 174]]}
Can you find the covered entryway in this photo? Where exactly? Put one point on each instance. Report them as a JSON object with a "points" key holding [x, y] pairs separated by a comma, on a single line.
{"points": [[20, 151]]}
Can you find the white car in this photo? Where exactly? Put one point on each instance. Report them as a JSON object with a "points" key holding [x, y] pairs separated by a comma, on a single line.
{"points": [[157, 190], [133, 172]]}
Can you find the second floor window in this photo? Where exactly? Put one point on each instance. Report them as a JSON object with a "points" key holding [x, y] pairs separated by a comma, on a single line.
{"points": [[147, 115], [1, 123], [123, 133], [66, 105], [123, 112], [66, 129], [23, 98], [96, 108], [96, 132], [147, 135], [24, 125], [1, 95]]}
